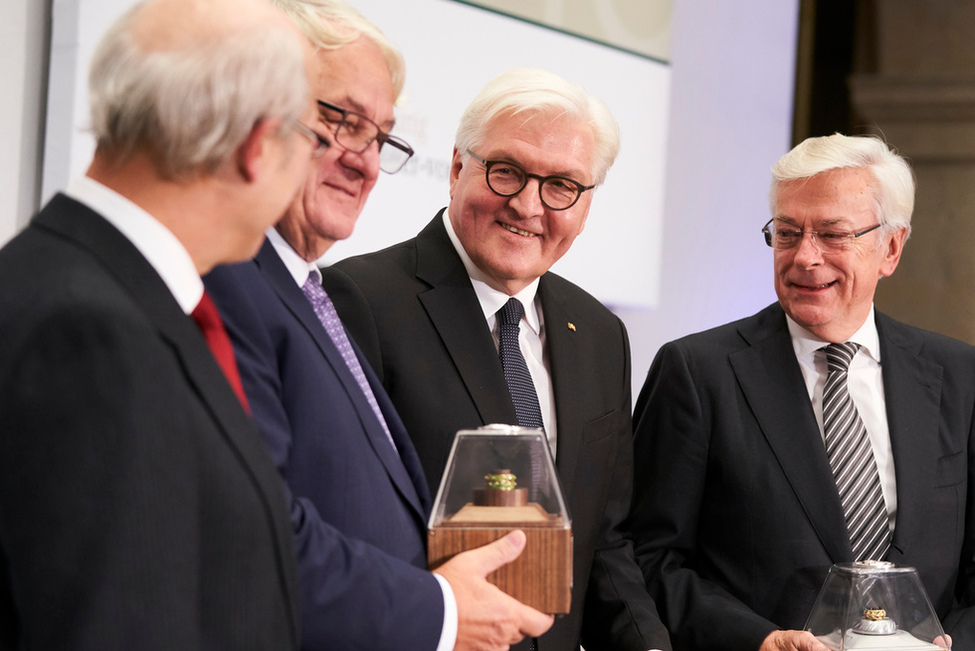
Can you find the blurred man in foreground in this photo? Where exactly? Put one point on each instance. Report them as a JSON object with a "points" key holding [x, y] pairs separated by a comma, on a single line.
{"points": [[138, 508]]}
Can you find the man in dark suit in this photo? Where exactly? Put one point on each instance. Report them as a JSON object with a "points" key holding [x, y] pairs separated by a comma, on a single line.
{"points": [[138, 508], [359, 503], [742, 503], [529, 150]]}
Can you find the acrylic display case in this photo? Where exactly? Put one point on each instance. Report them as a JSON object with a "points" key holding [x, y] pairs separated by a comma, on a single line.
{"points": [[500, 478], [875, 605]]}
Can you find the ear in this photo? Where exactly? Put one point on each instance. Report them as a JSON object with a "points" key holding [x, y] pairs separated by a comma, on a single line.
{"points": [[255, 153], [892, 252], [456, 165]]}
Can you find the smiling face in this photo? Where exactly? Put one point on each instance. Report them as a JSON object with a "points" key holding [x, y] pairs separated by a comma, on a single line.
{"points": [[830, 295], [514, 240], [356, 78]]}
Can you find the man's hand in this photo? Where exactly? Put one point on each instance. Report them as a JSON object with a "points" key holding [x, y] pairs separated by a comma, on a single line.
{"points": [[792, 641], [489, 619]]}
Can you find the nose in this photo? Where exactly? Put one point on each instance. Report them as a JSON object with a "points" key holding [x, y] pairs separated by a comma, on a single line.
{"points": [[528, 202], [808, 252], [365, 162]]}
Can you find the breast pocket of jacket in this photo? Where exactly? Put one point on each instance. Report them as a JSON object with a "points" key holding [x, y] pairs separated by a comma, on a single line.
{"points": [[612, 424]]}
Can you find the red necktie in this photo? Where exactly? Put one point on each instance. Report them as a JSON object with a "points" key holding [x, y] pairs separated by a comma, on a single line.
{"points": [[208, 319]]}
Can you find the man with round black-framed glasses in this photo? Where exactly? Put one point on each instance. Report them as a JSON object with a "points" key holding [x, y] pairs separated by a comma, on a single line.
{"points": [[430, 312], [507, 179]]}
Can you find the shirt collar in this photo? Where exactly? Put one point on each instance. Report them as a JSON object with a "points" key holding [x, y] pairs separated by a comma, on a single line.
{"points": [[490, 299], [157, 244], [806, 343], [298, 267]]}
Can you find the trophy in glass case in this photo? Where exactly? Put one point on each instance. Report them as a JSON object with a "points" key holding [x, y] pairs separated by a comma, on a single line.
{"points": [[875, 605], [500, 478]]}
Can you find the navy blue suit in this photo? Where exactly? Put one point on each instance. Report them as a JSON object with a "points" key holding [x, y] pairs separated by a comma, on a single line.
{"points": [[358, 506]]}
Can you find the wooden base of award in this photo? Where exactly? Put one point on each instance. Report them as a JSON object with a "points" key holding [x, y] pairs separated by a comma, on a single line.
{"points": [[541, 577]]}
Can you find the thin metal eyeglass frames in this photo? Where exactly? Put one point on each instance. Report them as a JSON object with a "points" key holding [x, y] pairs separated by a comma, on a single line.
{"points": [[319, 144], [783, 238], [355, 132]]}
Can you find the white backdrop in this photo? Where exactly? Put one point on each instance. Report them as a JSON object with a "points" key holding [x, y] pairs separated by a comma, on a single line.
{"points": [[729, 118], [451, 51]]}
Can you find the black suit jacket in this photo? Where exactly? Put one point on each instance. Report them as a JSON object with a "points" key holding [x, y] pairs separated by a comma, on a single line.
{"points": [[413, 309], [358, 505], [138, 508], [735, 509]]}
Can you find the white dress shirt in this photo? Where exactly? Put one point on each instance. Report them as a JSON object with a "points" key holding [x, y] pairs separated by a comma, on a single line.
{"points": [[300, 269], [866, 386], [155, 242], [530, 338]]}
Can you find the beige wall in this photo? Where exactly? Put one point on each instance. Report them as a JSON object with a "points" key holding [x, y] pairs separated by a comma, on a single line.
{"points": [[641, 26], [915, 80]]}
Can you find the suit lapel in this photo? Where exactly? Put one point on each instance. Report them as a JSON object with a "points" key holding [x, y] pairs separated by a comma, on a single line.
{"points": [[912, 391], [772, 384], [294, 300], [148, 290], [565, 362], [456, 314]]}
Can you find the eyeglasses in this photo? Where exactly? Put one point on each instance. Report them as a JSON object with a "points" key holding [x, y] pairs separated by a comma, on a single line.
{"points": [[355, 132], [319, 144], [507, 179], [782, 238]]}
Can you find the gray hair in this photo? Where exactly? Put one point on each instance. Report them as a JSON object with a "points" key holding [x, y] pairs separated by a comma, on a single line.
{"points": [[537, 93], [332, 24], [191, 106], [894, 187]]}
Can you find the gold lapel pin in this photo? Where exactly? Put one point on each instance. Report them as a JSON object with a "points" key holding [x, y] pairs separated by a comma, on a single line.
{"points": [[572, 326]]}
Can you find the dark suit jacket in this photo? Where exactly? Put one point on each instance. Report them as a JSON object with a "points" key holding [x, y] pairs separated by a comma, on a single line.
{"points": [[418, 315], [358, 508], [138, 508], [736, 511]]}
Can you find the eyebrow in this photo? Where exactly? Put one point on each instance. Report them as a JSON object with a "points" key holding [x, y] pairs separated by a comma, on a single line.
{"points": [[832, 221], [354, 106], [573, 175]]}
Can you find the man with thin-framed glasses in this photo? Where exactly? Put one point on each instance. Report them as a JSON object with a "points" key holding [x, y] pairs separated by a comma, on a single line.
{"points": [[358, 500], [431, 312], [818, 431]]}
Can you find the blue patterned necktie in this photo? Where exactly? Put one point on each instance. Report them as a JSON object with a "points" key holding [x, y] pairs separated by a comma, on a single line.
{"points": [[519, 379], [325, 311], [852, 461], [516, 372]]}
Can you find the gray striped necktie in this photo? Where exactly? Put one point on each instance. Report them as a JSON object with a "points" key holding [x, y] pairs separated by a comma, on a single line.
{"points": [[851, 458]]}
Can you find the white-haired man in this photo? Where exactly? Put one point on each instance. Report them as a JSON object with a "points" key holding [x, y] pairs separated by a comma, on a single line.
{"points": [[815, 432], [359, 504], [138, 508], [529, 151]]}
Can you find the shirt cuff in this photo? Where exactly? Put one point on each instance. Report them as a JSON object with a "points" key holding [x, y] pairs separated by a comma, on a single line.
{"points": [[448, 636]]}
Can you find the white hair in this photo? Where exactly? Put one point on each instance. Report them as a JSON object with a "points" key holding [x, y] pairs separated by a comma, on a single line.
{"points": [[534, 93], [894, 187], [332, 24], [191, 106]]}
